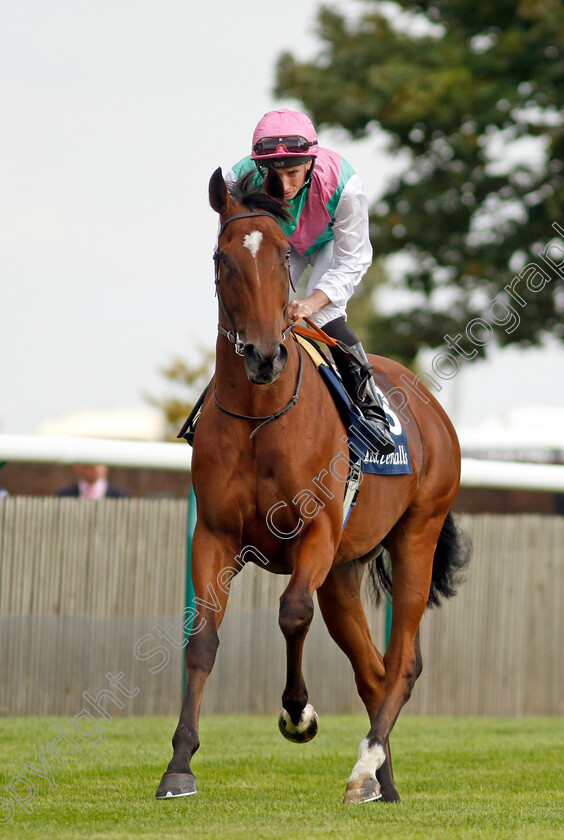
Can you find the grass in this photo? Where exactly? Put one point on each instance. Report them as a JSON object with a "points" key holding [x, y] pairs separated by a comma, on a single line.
{"points": [[458, 778]]}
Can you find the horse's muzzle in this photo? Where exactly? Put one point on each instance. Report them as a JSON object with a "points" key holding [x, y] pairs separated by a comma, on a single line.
{"points": [[264, 368]]}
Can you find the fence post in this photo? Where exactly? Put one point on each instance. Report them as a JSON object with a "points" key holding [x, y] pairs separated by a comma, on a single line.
{"points": [[388, 619], [189, 590]]}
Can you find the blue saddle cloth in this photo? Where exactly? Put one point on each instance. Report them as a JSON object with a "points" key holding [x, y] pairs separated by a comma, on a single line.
{"points": [[362, 441]]}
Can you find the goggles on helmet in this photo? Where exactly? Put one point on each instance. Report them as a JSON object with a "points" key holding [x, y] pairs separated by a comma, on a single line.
{"points": [[293, 145]]}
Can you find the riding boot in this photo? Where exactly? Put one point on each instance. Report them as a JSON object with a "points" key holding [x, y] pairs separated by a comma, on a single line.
{"points": [[356, 372]]}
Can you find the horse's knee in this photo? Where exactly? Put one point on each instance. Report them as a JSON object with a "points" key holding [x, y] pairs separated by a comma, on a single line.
{"points": [[409, 683], [296, 613], [402, 673], [411, 673], [201, 651]]}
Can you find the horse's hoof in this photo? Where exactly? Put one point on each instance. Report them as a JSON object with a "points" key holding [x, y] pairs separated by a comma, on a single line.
{"points": [[362, 790], [306, 728], [176, 784]]}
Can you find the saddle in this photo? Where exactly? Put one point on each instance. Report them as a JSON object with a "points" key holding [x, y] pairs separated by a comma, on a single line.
{"points": [[363, 452], [362, 444]]}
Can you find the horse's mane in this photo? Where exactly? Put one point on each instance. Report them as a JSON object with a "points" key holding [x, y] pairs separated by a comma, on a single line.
{"points": [[244, 191]]}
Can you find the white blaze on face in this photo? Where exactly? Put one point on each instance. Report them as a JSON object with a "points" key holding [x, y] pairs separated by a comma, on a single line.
{"points": [[252, 242]]}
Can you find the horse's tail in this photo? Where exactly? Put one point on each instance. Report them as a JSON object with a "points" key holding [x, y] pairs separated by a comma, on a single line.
{"points": [[451, 558]]}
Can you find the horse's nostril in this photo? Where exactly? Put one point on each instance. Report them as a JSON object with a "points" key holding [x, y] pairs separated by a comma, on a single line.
{"points": [[281, 358], [252, 356], [264, 366]]}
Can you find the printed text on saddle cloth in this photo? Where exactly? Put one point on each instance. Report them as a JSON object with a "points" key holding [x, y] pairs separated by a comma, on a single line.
{"points": [[398, 462]]}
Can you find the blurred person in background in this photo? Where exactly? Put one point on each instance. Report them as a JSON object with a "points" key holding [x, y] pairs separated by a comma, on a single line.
{"points": [[91, 483]]}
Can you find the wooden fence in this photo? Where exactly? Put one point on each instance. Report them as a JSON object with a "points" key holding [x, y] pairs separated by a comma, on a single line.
{"points": [[93, 592]]}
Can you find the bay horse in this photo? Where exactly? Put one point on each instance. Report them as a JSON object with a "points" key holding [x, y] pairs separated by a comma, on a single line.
{"points": [[267, 428]]}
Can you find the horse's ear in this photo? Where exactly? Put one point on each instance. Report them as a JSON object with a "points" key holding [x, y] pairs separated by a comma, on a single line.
{"points": [[273, 185], [220, 199]]}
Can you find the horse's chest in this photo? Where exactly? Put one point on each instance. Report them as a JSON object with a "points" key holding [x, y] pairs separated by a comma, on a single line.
{"points": [[257, 501]]}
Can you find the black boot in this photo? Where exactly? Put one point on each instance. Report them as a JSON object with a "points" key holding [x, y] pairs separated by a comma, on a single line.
{"points": [[356, 372]]}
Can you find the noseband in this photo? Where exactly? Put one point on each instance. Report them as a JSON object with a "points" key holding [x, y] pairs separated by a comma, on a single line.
{"points": [[233, 336]]}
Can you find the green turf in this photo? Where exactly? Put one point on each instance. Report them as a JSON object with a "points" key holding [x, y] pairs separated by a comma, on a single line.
{"points": [[458, 778]]}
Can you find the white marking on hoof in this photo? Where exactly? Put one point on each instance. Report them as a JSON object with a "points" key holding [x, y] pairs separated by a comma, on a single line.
{"points": [[304, 730], [252, 242], [369, 760], [307, 716]]}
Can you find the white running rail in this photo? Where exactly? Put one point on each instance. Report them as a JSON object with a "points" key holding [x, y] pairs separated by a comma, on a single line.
{"points": [[177, 456]]}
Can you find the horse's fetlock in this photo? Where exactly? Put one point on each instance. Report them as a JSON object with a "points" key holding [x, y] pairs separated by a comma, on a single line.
{"points": [[295, 706], [185, 742], [375, 743]]}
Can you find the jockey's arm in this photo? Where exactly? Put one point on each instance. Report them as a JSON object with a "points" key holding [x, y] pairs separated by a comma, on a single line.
{"points": [[308, 306], [352, 253]]}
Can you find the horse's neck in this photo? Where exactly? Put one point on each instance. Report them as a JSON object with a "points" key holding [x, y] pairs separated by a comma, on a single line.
{"points": [[236, 392]]}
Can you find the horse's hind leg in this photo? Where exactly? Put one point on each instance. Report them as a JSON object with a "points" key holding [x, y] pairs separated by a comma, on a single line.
{"points": [[341, 606], [412, 549]]}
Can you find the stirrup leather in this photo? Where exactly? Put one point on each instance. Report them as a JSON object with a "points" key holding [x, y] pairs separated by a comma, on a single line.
{"points": [[189, 428]]}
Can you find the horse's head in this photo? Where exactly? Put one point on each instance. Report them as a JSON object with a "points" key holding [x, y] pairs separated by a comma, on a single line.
{"points": [[252, 273]]}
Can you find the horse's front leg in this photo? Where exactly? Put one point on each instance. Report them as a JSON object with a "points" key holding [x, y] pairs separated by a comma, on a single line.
{"points": [[298, 719], [211, 562]]}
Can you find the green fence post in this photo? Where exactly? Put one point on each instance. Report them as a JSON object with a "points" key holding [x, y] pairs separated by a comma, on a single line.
{"points": [[189, 591], [388, 618]]}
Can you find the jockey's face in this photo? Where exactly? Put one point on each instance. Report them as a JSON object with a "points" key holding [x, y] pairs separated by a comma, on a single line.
{"points": [[293, 179]]}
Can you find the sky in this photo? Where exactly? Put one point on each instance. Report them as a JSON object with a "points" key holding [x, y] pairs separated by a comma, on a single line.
{"points": [[115, 114]]}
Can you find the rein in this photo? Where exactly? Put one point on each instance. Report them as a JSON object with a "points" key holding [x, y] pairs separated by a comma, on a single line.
{"points": [[315, 332], [233, 336], [269, 417]]}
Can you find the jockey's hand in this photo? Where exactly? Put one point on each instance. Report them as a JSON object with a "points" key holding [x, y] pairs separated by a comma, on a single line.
{"points": [[298, 309]]}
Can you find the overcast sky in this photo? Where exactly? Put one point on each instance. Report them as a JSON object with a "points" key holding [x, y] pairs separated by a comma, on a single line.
{"points": [[115, 113]]}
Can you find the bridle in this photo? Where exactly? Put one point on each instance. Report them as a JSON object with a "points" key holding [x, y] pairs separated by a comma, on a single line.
{"points": [[233, 336]]}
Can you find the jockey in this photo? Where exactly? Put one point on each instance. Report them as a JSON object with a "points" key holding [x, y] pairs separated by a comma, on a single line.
{"points": [[329, 231]]}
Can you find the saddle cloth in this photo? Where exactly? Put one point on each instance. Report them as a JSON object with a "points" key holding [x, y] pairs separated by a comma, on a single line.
{"points": [[362, 442]]}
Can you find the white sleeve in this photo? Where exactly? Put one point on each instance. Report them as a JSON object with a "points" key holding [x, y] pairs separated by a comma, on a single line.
{"points": [[352, 251]]}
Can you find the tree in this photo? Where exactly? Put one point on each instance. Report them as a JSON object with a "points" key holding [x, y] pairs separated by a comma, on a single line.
{"points": [[474, 92]]}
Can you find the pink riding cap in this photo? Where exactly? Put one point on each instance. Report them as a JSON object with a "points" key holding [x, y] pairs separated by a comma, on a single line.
{"points": [[285, 123]]}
